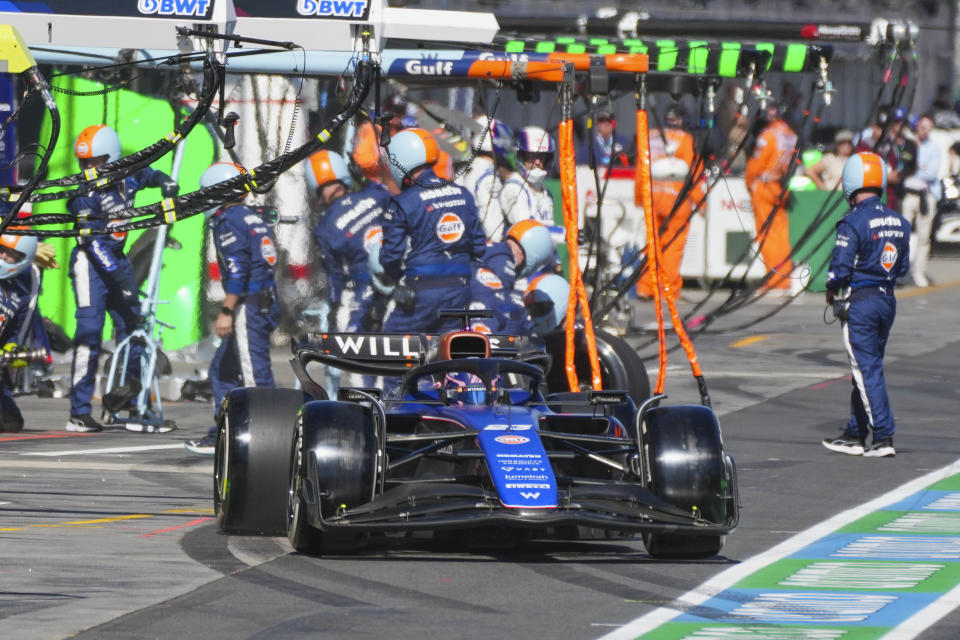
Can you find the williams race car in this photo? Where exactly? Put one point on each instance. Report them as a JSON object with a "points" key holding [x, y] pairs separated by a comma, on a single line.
{"points": [[471, 437]]}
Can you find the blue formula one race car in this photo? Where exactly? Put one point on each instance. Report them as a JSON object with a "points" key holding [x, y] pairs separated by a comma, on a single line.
{"points": [[470, 438]]}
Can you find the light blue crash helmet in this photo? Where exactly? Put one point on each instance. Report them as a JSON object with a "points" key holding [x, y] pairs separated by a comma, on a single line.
{"points": [[215, 174], [23, 248], [546, 302], [411, 149], [863, 170], [326, 166], [537, 244]]}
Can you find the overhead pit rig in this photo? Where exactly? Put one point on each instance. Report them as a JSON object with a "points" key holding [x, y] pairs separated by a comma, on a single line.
{"points": [[398, 43]]}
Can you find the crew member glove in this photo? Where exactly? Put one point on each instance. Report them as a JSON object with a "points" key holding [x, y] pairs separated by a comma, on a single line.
{"points": [[12, 347], [45, 256], [169, 188]]}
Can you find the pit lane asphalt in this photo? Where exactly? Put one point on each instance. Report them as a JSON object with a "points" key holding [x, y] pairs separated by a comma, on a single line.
{"points": [[111, 535]]}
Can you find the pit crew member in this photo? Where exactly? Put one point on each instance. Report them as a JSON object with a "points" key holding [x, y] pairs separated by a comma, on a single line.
{"points": [[671, 156], [16, 297], [431, 234], [246, 254], [872, 250], [523, 195], [765, 171], [484, 179], [527, 248], [350, 225], [102, 276]]}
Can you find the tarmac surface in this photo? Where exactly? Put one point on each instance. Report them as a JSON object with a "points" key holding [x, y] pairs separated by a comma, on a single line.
{"points": [[112, 535]]}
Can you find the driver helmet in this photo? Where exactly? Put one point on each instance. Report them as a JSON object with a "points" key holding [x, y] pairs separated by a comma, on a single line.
{"points": [[537, 244], [326, 166], [21, 249], [95, 141], [464, 389], [411, 149], [546, 302]]}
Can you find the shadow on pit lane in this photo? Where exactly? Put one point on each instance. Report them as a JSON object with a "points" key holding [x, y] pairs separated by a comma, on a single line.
{"points": [[206, 545]]}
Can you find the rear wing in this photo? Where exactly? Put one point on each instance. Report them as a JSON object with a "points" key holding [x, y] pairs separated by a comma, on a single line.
{"points": [[380, 354]]}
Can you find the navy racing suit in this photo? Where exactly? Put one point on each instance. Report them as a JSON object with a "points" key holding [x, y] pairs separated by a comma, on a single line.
{"points": [[431, 234], [103, 281], [872, 250], [16, 297], [343, 235], [246, 254], [493, 287]]}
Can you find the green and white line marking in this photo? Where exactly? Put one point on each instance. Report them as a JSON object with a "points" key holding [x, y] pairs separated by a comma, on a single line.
{"points": [[886, 569]]}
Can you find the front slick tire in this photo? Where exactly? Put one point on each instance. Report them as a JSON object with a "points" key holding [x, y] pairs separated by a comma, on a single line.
{"points": [[333, 466], [688, 469], [251, 460]]}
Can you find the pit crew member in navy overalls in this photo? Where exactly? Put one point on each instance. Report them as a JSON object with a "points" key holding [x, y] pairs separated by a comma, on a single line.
{"points": [[527, 248], [102, 276], [16, 296], [872, 250], [523, 195], [546, 300], [350, 226], [431, 234], [246, 254]]}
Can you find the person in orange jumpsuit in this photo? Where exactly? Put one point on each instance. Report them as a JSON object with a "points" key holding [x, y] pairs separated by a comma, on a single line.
{"points": [[765, 171], [671, 155]]}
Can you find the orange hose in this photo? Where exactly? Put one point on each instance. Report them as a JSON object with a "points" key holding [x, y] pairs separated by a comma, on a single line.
{"points": [[645, 188], [578, 293]]}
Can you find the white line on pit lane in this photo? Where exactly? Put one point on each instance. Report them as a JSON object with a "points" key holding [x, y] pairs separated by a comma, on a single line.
{"points": [[906, 630], [81, 452]]}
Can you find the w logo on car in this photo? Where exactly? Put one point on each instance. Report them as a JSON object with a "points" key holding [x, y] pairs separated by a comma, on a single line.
{"points": [[530, 495]]}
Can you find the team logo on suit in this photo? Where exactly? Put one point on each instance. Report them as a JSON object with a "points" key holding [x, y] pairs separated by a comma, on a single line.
{"points": [[450, 228], [889, 256], [268, 250], [489, 279]]}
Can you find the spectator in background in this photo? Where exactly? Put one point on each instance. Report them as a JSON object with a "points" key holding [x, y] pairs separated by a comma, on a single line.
{"points": [[826, 172], [606, 146], [943, 110], [921, 192], [875, 141]]}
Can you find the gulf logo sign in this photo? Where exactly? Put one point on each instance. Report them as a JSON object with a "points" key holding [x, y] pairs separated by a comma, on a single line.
{"points": [[268, 250], [508, 439], [889, 256], [489, 279], [450, 228], [372, 236]]}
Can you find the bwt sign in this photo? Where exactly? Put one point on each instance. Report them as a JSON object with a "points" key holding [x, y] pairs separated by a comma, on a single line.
{"points": [[175, 7], [332, 8]]}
